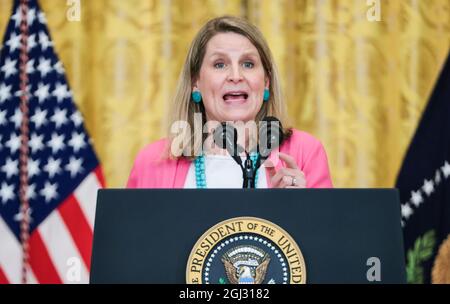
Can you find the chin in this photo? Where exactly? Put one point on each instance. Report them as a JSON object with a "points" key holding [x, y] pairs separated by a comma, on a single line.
{"points": [[239, 117]]}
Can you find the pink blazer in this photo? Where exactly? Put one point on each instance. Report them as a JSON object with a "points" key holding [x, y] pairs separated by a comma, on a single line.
{"points": [[150, 170]]}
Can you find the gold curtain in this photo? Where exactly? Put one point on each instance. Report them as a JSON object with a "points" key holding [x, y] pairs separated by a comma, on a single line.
{"points": [[359, 86]]}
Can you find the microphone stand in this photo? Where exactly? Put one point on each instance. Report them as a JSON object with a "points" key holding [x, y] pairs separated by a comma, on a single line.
{"points": [[248, 173], [222, 139]]}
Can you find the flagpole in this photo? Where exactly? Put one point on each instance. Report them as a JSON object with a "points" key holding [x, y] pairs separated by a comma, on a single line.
{"points": [[24, 148]]}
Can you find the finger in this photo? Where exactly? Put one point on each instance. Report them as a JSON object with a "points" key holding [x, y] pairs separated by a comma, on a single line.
{"points": [[284, 178], [300, 183], [270, 168], [275, 180], [290, 172], [281, 179], [286, 181], [289, 160]]}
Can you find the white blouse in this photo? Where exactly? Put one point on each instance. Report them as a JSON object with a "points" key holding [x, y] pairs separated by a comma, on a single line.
{"points": [[222, 171]]}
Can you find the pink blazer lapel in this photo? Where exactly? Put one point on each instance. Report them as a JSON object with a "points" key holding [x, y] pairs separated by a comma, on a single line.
{"points": [[273, 157], [181, 171]]}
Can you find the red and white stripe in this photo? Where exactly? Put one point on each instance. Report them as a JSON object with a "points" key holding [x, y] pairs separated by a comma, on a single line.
{"points": [[67, 233], [10, 255], [83, 194]]}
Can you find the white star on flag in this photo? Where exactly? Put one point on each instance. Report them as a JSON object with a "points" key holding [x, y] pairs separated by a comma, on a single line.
{"points": [[31, 42], [44, 66], [77, 118], [9, 68], [59, 67], [19, 216], [30, 66], [31, 192], [6, 192], [36, 143], [49, 191], [56, 142], [406, 211], [14, 42], [17, 17], [13, 143], [11, 167], [437, 177], [428, 187], [42, 92], [59, 117], [53, 166], [44, 41], [5, 92], [39, 118], [17, 118], [31, 16], [61, 92], [416, 198], [19, 92], [77, 141], [446, 169], [33, 167], [42, 18], [74, 166]]}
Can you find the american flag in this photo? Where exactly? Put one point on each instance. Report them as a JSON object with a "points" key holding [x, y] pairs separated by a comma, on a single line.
{"points": [[63, 170], [424, 186]]}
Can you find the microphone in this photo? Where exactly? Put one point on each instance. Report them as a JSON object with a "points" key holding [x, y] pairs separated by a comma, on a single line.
{"points": [[270, 137], [225, 137]]}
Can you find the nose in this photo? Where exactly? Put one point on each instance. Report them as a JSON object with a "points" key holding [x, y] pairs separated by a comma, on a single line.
{"points": [[235, 73]]}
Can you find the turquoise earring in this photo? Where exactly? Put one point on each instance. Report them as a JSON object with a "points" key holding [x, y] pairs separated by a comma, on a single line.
{"points": [[266, 95], [196, 96]]}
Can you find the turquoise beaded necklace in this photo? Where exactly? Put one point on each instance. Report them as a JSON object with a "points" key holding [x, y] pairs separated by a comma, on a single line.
{"points": [[200, 176]]}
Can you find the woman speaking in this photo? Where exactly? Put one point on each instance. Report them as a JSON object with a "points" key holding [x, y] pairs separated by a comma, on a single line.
{"points": [[229, 76]]}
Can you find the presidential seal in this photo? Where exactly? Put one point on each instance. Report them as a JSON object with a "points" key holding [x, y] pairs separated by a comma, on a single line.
{"points": [[246, 250]]}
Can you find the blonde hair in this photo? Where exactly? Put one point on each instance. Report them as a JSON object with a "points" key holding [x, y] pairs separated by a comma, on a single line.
{"points": [[183, 106]]}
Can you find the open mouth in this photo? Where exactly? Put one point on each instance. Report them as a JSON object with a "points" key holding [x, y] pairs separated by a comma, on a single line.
{"points": [[233, 97]]}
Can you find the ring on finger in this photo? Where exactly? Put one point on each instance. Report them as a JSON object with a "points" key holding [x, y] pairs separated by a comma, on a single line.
{"points": [[294, 181]]}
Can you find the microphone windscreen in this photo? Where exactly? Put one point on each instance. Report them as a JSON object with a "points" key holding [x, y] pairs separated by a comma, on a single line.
{"points": [[270, 135], [225, 137]]}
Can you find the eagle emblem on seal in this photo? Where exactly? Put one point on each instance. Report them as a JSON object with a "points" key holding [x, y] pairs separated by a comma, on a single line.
{"points": [[246, 265]]}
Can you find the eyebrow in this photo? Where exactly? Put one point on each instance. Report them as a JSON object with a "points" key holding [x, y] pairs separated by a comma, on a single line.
{"points": [[220, 53]]}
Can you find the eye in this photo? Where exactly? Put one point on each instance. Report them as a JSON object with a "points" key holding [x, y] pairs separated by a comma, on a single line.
{"points": [[248, 64], [219, 65]]}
